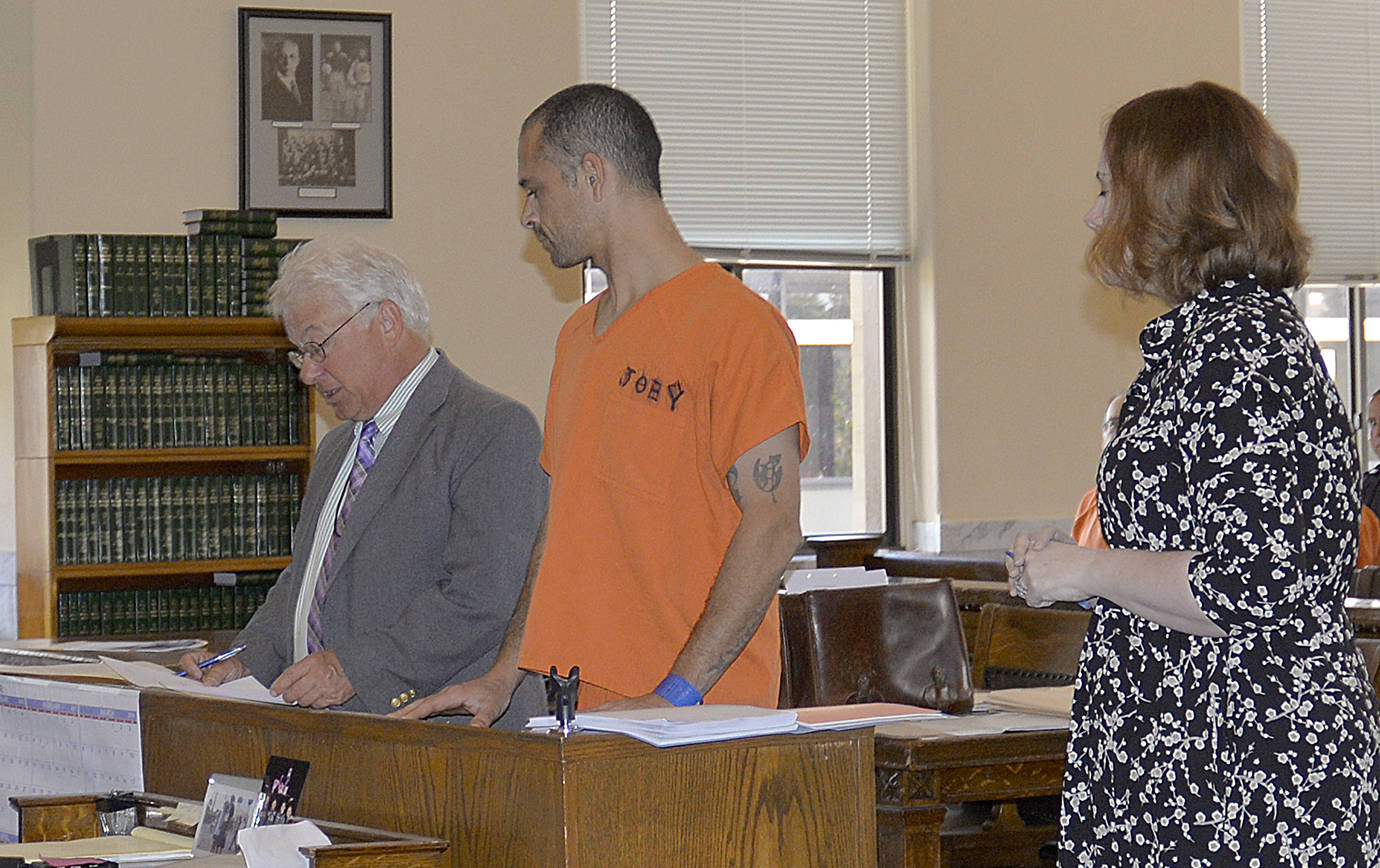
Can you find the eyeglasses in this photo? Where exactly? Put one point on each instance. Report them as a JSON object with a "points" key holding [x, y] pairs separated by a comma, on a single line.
{"points": [[315, 351]]}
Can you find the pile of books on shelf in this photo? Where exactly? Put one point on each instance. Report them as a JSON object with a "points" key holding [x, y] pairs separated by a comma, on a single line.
{"points": [[157, 400], [222, 266], [163, 610], [140, 519]]}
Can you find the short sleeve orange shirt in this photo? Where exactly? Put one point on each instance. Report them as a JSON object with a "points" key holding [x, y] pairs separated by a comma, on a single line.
{"points": [[643, 423]]}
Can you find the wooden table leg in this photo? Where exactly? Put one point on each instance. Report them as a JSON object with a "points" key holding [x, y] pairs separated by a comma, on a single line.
{"points": [[909, 837]]}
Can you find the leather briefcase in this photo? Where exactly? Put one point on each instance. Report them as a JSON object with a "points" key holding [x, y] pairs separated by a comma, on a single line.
{"points": [[891, 643]]}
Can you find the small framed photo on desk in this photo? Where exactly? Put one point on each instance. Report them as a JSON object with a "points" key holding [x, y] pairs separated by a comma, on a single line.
{"points": [[227, 808]]}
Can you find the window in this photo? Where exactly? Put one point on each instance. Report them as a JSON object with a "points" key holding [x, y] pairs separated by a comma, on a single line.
{"points": [[839, 318], [1311, 67], [785, 157], [783, 122], [1345, 321]]}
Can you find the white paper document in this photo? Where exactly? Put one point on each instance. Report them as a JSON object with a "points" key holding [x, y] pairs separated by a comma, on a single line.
{"points": [[668, 727], [978, 723], [277, 846], [90, 671], [144, 674], [800, 581]]}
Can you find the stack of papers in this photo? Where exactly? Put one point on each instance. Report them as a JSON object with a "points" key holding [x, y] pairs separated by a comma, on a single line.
{"points": [[157, 646], [977, 723], [142, 845], [800, 581], [668, 727]]}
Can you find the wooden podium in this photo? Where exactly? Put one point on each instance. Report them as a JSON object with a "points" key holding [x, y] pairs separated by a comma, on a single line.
{"points": [[507, 799]]}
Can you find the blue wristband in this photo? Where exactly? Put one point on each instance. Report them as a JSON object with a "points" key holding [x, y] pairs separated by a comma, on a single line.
{"points": [[678, 691]]}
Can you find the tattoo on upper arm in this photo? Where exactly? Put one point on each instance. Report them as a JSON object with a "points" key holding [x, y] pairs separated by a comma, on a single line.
{"points": [[767, 475], [732, 479]]}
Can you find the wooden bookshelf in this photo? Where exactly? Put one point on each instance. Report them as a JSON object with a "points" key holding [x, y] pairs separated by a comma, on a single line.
{"points": [[176, 536]]}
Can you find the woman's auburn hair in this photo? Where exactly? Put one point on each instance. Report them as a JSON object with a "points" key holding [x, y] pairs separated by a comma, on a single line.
{"points": [[1203, 190]]}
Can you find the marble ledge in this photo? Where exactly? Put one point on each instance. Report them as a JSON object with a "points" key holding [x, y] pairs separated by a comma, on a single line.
{"points": [[977, 536]]}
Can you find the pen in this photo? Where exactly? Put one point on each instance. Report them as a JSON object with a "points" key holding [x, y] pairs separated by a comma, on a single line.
{"points": [[211, 661]]}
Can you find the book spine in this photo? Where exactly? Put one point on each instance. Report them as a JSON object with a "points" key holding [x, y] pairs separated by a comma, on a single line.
{"points": [[156, 275], [142, 289], [206, 305]]}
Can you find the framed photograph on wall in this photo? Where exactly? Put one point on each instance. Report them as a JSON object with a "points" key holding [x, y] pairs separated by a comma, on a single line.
{"points": [[315, 113]]}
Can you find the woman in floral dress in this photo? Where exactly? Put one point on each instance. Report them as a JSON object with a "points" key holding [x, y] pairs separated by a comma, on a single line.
{"points": [[1222, 714]]}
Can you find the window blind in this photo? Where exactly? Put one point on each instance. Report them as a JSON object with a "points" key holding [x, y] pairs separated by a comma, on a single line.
{"points": [[783, 124], [1313, 66]]}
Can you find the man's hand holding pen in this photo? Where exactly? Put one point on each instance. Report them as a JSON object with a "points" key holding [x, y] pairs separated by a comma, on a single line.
{"points": [[218, 673], [315, 681]]}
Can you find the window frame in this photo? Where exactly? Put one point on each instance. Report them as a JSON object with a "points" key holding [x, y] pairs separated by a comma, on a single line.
{"points": [[890, 354]]}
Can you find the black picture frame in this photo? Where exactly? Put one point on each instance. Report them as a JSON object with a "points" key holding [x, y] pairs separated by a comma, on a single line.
{"points": [[316, 134]]}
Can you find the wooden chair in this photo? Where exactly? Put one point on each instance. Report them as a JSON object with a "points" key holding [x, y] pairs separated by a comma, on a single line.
{"points": [[1370, 650], [1365, 582], [887, 643], [1016, 646], [1022, 647]]}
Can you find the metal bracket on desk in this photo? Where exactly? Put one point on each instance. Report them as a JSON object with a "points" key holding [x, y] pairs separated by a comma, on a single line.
{"points": [[562, 694]]}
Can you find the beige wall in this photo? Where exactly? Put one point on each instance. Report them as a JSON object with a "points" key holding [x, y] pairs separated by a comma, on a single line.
{"points": [[133, 104], [16, 128], [1026, 347]]}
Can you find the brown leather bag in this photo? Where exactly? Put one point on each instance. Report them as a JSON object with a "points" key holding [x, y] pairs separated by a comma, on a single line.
{"points": [[899, 642]]}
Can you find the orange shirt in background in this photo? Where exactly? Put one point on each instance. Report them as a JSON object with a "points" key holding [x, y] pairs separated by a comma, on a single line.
{"points": [[1087, 528], [1368, 553], [643, 423]]}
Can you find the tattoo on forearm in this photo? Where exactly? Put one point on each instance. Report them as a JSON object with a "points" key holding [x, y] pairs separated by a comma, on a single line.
{"points": [[732, 480], [725, 660], [767, 475]]}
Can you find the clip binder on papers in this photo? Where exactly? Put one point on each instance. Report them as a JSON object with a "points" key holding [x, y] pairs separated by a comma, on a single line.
{"points": [[562, 694]]}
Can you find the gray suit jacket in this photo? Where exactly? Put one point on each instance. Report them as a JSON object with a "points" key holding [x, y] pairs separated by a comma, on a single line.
{"points": [[434, 553]]}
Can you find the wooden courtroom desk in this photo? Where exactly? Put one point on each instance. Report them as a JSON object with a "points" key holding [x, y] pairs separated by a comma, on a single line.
{"points": [[522, 800], [982, 566], [63, 818], [1365, 616], [917, 775]]}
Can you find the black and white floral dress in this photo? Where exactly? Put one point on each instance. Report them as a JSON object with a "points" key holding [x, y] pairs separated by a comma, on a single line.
{"points": [[1263, 747]]}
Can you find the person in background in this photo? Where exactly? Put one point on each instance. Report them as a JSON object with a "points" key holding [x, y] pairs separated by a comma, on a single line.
{"points": [[675, 426], [1370, 482], [418, 516], [1087, 530], [1222, 714]]}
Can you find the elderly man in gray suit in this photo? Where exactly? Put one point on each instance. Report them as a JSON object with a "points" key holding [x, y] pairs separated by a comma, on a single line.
{"points": [[418, 519]]}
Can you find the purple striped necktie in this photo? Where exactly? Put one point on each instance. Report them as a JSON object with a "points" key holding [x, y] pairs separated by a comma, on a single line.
{"points": [[364, 459]]}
